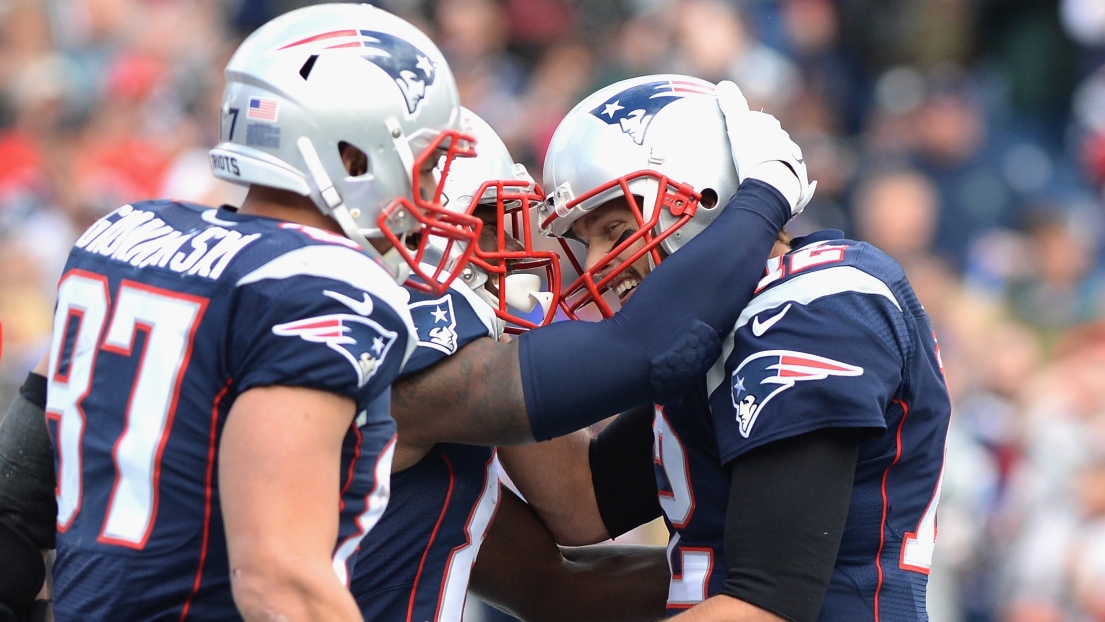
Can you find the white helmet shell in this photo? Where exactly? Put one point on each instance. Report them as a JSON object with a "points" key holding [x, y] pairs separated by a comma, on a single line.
{"points": [[668, 124], [660, 142], [325, 75]]}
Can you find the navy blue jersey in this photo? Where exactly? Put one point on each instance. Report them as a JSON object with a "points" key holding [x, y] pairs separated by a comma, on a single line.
{"points": [[415, 565], [833, 338], [166, 313]]}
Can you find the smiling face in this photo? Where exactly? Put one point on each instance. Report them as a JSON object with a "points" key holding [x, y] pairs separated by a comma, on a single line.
{"points": [[601, 231]]}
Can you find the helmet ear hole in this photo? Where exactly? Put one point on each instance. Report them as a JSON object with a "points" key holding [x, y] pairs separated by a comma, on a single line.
{"points": [[355, 160], [709, 198]]}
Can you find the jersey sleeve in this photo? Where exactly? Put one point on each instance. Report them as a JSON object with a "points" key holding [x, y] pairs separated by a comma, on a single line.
{"points": [[322, 317], [799, 365], [447, 323]]}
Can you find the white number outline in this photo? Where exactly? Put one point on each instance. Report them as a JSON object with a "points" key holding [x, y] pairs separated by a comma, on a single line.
{"points": [[799, 260], [375, 503], [458, 568], [83, 295], [919, 544], [815, 256], [687, 587], [170, 320], [679, 504]]}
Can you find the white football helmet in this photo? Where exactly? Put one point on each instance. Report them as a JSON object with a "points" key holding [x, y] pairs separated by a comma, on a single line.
{"points": [[657, 140], [506, 269], [314, 79]]}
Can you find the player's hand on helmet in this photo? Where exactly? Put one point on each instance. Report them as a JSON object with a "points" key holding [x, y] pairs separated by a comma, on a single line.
{"points": [[762, 149]]}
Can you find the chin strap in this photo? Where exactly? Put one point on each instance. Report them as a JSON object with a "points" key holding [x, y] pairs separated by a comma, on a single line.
{"points": [[335, 208]]}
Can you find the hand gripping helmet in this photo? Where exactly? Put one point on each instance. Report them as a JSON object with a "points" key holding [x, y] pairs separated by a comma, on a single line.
{"points": [[310, 82], [506, 270], [660, 142]]}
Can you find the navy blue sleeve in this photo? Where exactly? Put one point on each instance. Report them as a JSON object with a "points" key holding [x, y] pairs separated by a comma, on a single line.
{"points": [[833, 362], [303, 331], [667, 335]]}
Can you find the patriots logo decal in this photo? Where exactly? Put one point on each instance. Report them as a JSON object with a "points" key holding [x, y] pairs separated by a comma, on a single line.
{"points": [[764, 375], [362, 342], [410, 68], [436, 324], [633, 109]]}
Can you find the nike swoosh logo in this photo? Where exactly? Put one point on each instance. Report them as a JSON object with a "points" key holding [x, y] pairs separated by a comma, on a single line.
{"points": [[759, 328], [359, 307], [209, 216]]}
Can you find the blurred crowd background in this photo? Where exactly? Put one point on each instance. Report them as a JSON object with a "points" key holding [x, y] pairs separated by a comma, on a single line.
{"points": [[964, 137]]}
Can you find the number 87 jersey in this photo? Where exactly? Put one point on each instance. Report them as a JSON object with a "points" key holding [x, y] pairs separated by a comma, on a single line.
{"points": [[166, 313], [833, 338]]}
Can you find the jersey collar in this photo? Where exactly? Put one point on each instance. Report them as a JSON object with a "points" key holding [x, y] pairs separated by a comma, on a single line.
{"points": [[817, 236]]}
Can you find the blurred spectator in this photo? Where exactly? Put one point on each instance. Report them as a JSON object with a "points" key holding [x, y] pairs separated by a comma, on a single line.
{"points": [[713, 42], [473, 35], [896, 209], [1089, 116], [1054, 512], [1024, 44], [1061, 288], [561, 77], [121, 158]]}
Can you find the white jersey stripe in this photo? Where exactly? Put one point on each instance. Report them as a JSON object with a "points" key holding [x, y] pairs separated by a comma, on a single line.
{"points": [[341, 264], [806, 288], [802, 289]]}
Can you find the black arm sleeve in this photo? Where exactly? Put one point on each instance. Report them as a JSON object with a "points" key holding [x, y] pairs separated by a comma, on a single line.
{"points": [[577, 373], [787, 508], [27, 504], [622, 473]]}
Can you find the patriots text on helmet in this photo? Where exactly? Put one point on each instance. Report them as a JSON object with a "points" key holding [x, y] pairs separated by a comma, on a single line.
{"points": [[225, 163]]}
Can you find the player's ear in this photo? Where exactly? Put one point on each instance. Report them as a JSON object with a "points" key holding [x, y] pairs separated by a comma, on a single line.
{"points": [[355, 160]]}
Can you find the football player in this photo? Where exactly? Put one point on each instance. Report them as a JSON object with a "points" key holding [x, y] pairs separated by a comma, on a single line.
{"points": [[218, 380], [446, 497], [485, 392], [800, 475]]}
